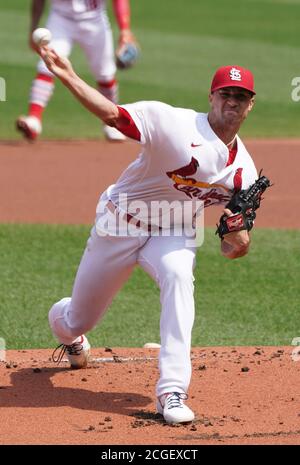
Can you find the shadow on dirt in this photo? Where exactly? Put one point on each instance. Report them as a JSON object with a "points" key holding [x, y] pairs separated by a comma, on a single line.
{"points": [[34, 388]]}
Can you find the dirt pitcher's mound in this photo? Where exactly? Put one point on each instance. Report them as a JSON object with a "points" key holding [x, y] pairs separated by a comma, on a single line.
{"points": [[241, 395]]}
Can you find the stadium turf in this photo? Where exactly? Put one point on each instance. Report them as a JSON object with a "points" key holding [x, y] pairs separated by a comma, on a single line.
{"points": [[250, 301]]}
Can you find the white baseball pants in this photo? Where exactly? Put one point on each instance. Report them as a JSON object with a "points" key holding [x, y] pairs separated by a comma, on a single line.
{"points": [[105, 266], [93, 36]]}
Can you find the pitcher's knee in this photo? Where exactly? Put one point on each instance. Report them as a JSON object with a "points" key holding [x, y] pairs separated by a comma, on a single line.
{"points": [[57, 319], [62, 322]]}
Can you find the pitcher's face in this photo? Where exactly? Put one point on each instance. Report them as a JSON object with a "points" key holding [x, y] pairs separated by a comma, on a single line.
{"points": [[230, 105]]}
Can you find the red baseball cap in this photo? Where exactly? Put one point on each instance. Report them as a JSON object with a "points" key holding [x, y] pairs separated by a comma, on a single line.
{"points": [[233, 76]]}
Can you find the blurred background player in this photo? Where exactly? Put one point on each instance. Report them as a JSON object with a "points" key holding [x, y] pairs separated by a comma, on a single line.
{"points": [[86, 23]]}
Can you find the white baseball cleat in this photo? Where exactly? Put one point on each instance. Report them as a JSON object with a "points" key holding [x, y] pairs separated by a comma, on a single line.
{"points": [[171, 406], [113, 134], [77, 353], [29, 126]]}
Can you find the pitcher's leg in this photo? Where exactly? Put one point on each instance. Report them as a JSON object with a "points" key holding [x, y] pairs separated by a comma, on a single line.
{"points": [[106, 264], [171, 264]]}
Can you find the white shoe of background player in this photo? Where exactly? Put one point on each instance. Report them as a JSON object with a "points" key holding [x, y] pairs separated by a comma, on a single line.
{"points": [[113, 134], [171, 406], [29, 126]]}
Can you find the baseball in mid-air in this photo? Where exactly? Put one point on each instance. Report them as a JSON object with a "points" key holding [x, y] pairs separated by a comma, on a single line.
{"points": [[41, 36]]}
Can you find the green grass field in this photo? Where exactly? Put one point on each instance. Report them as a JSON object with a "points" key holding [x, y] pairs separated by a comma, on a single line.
{"points": [[182, 45], [251, 301]]}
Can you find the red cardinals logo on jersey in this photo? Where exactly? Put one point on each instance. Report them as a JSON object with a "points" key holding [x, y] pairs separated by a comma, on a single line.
{"points": [[185, 171], [209, 193]]}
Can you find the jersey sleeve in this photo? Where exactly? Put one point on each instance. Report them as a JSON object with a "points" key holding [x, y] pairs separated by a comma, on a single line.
{"points": [[127, 125], [142, 121]]}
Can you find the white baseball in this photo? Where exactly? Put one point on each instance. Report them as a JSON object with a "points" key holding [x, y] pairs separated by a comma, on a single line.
{"points": [[151, 345], [41, 36]]}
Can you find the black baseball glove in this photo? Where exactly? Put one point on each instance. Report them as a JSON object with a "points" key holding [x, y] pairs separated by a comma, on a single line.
{"points": [[243, 205]]}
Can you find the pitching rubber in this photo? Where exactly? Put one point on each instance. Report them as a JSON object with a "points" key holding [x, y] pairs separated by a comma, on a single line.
{"points": [[151, 345]]}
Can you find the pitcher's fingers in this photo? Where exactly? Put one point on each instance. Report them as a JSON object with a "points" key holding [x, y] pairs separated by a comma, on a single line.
{"points": [[227, 212], [43, 51], [46, 50]]}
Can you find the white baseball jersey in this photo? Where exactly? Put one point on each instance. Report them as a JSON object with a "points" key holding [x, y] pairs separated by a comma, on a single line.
{"points": [[79, 9], [182, 159]]}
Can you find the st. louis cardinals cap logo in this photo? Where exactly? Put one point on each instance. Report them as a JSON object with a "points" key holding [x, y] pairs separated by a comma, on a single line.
{"points": [[235, 74]]}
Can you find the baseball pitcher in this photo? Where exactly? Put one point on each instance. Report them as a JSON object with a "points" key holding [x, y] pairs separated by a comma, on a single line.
{"points": [[185, 156]]}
